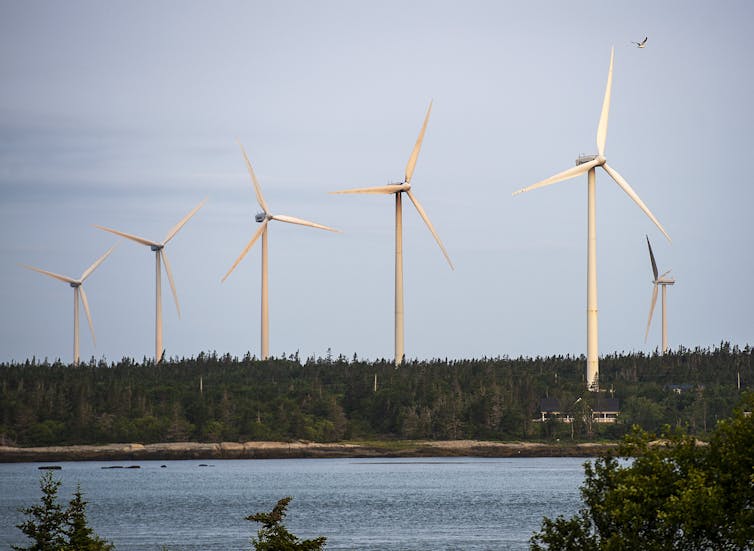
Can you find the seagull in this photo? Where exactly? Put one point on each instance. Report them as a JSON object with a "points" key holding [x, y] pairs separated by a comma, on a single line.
{"points": [[641, 44]]}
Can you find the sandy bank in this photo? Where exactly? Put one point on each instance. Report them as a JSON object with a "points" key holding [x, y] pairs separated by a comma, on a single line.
{"points": [[300, 449]]}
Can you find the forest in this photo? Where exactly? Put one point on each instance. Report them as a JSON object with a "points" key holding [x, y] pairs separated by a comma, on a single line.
{"points": [[213, 398]]}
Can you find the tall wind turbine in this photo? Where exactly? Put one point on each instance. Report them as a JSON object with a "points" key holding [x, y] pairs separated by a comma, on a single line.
{"points": [[78, 290], [159, 254], [588, 164], [663, 282], [398, 189], [264, 218]]}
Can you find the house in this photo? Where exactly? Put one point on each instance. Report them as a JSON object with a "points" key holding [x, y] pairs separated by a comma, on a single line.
{"points": [[549, 408], [605, 410]]}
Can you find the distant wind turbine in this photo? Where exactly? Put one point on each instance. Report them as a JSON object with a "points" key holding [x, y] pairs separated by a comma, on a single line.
{"points": [[397, 189], [159, 254], [663, 282], [78, 290], [587, 164], [263, 218]]}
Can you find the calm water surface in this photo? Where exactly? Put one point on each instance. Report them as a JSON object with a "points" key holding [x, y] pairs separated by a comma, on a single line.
{"points": [[359, 504]]}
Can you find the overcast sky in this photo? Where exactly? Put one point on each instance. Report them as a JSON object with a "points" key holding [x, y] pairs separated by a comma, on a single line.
{"points": [[126, 114]]}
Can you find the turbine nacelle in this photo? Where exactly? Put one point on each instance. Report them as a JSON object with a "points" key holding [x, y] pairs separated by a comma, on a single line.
{"points": [[156, 248], [75, 284], [583, 159], [261, 217]]}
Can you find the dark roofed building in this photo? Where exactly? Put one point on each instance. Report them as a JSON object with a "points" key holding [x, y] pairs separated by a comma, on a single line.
{"points": [[605, 410]]}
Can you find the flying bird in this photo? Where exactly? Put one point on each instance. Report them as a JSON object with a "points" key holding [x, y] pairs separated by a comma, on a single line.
{"points": [[641, 44]]}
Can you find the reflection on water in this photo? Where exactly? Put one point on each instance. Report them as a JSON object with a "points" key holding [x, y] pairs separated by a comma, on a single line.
{"points": [[364, 504]]}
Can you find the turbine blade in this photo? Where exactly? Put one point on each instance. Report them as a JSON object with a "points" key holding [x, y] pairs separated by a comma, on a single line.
{"points": [[417, 147], [602, 126], [632, 194], [246, 249], [88, 313], [168, 271], [94, 266], [299, 221], [180, 224], [666, 273], [257, 187], [379, 189], [652, 258], [560, 176], [130, 236], [424, 216], [651, 310], [62, 278]]}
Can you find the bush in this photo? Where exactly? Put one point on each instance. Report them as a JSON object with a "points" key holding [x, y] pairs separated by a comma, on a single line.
{"points": [[671, 493], [273, 536]]}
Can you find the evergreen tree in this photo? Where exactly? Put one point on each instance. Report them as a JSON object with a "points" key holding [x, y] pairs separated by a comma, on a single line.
{"points": [[273, 536], [53, 528], [46, 525], [80, 535]]}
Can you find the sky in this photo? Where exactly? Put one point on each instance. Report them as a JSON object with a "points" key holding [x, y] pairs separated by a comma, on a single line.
{"points": [[125, 114]]}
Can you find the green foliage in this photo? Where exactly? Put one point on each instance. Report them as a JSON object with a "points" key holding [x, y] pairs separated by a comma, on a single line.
{"points": [[672, 493], [46, 525], [81, 536], [331, 399], [52, 528], [273, 536]]}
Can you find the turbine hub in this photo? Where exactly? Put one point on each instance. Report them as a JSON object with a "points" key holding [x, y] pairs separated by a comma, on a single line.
{"points": [[260, 217], [75, 284], [156, 248]]}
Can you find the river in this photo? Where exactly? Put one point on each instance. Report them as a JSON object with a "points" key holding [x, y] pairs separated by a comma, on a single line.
{"points": [[359, 504]]}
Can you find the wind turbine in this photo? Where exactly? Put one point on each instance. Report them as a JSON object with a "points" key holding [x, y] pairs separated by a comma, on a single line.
{"points": [[159, 254], [663, 282], [78, 290], [398, 189], [588, 164], [264, 218]]}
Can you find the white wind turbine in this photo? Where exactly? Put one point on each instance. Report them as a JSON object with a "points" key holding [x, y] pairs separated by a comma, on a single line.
{"points": [[78, 290], [263, 218], [663, 282], [398, 189], [159, 254], [588, 164]]}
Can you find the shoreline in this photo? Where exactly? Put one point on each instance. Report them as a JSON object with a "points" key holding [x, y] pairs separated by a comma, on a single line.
{"points": [[300, 450]]}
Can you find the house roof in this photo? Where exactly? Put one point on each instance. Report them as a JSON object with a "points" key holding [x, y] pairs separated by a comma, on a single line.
{"points": [[549, 404], [607, 404]]}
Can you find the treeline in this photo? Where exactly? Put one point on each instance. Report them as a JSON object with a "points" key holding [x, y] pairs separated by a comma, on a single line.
{"points": [[215, 397]]}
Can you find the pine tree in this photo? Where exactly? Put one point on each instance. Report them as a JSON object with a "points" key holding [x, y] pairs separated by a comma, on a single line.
{"points": [[53, 528], [273, 536], [46, 527], [81, 537]]}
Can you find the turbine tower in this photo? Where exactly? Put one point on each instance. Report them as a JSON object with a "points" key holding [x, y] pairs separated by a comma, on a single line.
{"points": [[398, 189], [663, 282], [159, 254], [78, 290], [263, 218], [588, 164]]}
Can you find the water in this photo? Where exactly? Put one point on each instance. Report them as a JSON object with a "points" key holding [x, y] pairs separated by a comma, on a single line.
{"points": [[359, 504]]}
